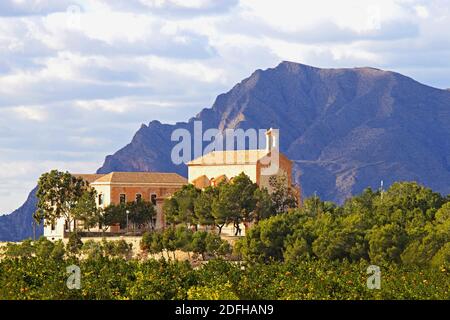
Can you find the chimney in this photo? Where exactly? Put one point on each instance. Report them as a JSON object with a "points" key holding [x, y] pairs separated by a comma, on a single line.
{"points": [[272, 139]]}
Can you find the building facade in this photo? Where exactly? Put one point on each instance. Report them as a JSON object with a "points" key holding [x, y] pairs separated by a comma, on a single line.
{"points": [[122, 187], [261, 165]]}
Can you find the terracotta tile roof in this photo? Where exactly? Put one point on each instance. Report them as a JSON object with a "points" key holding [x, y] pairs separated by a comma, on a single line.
{"points": [[142, 177], [201, 182], [230, 157], [217, 180]]}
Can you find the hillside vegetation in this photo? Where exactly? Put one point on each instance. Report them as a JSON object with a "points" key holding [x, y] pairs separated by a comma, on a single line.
{"points": [[320, 251]]}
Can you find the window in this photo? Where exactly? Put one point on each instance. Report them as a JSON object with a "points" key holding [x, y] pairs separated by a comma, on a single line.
{"points": [[100, 199], [138, 197], [53, 227], [153, 198], [123, 198], [66, 225]]}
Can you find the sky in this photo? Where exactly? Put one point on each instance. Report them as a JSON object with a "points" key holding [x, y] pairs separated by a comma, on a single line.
{"points": [[78, 78]]}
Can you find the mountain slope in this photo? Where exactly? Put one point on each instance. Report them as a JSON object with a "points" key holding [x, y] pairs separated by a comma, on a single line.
{"points": [[19, 224], [346, 129]]}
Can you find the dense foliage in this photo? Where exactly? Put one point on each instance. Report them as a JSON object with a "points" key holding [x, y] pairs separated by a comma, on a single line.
{"points": [[318, 251], [38, 271], [132, 215], [231, 202], [184, 239], [407, 224], [61, 195]]}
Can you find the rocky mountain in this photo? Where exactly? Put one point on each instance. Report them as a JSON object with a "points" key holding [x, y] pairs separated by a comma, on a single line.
{"points": [[346, 129]]}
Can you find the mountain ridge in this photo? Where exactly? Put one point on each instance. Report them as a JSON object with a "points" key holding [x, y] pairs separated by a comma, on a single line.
{"points": [[345, 128], [371, 96]]}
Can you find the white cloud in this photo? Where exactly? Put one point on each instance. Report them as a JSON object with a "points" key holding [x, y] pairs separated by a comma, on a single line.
{"points": [[31, 7], [295, 16], [72, 95], [30, 113], [122, 105], [183, 8], [194, 70], [17, 178], [194, 4], [422, 12]]}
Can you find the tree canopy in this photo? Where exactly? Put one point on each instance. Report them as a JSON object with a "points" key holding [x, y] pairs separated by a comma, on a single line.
{"points": [[231, 202], [62, 195], [406, 224]]}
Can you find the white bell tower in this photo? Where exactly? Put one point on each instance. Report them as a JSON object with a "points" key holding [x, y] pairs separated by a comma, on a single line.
{"points": [[272, 139]]}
